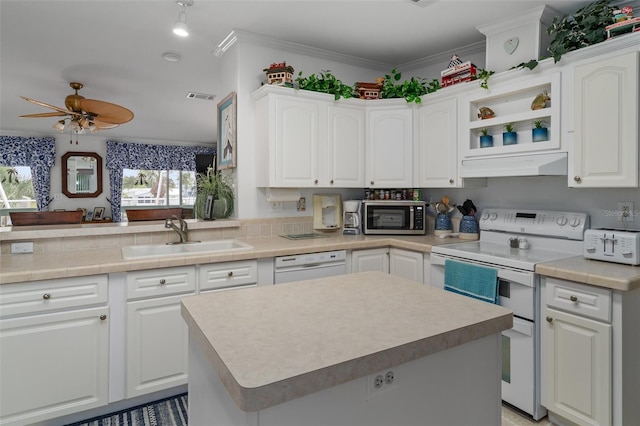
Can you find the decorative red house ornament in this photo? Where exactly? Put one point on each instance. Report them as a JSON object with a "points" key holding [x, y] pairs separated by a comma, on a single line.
{"points": [[457, 72]]}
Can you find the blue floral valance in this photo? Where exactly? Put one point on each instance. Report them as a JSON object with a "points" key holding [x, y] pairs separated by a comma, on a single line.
{"points": [[37, 153], [125, 155]]}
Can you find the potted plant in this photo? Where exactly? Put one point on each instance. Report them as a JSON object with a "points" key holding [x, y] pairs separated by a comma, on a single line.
{"points": [[540, 132], [509, 136], [220, 187], [486, 140]]}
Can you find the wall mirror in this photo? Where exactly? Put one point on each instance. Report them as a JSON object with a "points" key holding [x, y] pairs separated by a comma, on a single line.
{"points": [[81, 174]]}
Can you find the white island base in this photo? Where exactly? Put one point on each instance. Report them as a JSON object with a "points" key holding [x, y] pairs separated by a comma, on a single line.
{"points": [[458, 386]]}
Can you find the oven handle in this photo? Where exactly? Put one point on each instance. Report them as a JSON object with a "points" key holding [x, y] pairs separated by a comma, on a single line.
{"points": [[522, 278]]}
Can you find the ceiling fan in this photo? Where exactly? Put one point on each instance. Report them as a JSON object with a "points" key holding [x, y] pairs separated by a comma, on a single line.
{"points": [[83, 113]]}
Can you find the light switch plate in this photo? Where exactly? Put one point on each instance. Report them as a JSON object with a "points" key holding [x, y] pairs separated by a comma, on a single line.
{"points": [[23, 247]]}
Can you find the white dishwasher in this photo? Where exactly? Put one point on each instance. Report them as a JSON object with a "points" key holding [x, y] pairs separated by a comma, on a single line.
{"points": [[308, 266]]}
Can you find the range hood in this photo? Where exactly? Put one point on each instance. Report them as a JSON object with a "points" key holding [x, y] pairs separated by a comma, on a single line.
{"points": [[520, 165]]}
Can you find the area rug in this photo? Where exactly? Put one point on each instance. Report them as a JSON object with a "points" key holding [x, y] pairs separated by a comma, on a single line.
{"points": [[166, 412]]}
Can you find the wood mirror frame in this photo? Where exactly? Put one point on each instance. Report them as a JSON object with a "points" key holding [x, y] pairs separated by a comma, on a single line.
{"points": [[74, 192]]}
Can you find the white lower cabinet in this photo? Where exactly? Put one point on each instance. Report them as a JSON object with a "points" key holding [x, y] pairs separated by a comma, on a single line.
{"points": [[407, 264], [157, 336], [403, 263], [222, 276], [577, 361], [370, 260], [54, 348]]}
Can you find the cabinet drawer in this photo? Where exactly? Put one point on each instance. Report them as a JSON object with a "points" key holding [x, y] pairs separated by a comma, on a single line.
{"points": [[50, 295], [584, 300], [230, 274], [161, 282]]}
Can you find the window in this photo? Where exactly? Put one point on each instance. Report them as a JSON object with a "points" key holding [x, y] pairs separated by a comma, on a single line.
{"points": [[158, 188], [25, 164], [16, 190]]}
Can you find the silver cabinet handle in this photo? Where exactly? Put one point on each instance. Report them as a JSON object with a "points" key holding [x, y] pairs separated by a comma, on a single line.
{"points": [[230, 273], [103, 317], [46, 296], [163, 281], [451, 181], [573, 298], [549, 319], [371, 182], [577, 178]]}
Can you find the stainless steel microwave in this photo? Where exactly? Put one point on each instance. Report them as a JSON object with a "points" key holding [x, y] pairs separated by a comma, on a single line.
{"points": [[389, 217]]}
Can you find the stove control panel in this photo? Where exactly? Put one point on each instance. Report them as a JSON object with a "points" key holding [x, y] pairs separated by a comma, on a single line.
{"points": [[568, 225], [613, 245]]}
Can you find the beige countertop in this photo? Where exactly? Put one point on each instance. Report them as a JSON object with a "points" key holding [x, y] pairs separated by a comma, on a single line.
{"points": [[272, 344], [595, 272], [31, 267]]}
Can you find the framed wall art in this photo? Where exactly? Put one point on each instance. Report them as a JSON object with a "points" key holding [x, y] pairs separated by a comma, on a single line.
{"points": [[227, 132]]}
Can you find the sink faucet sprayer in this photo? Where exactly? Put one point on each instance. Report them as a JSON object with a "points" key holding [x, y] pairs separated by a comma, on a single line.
{"points": [[182, 231]]}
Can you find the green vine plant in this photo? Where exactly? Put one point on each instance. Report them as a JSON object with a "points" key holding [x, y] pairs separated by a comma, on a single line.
{"points": [[586, 27], [483, 75], [411, 90], [325, 82]]}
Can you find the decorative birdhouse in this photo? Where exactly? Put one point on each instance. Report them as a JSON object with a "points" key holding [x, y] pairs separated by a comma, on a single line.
{"points": [[279, 74]]}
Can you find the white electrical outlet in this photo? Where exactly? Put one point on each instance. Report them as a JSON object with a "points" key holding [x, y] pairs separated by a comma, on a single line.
{"points": [[276, 205], [381, 382], [24, 247], [625, 211]]}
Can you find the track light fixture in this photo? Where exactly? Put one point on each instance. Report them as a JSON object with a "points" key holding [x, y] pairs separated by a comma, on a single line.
{"points": [[180, 28]]}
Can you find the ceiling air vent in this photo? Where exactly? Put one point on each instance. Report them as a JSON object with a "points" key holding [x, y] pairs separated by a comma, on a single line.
{"points": [[423, 3], [204, 96]]}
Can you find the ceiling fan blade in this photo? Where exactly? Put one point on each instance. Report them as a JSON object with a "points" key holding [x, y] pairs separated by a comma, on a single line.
{"points": [[33, 101], [106, 112], [45, 114], [102, 125]]}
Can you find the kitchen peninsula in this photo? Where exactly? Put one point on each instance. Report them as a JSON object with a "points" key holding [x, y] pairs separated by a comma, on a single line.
{"points": [[363, 349]]}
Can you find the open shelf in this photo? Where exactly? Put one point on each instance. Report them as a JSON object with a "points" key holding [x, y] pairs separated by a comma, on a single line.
{"points": [[512, 103]]}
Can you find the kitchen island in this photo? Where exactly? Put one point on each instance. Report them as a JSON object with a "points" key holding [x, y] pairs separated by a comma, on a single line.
{"points": [[359, 349]]}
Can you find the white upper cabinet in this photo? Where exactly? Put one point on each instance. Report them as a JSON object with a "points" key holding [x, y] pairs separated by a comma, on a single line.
{"points": [[307, 140], [605, 122], [389, 150], [345, 146], [437, 145]]}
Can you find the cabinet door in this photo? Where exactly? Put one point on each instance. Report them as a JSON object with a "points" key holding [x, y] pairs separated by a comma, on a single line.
{"points": [[53, 365], [605, 118], [296, 142], [345, 146], [578, 374], [157, 339], [389, 149], [406, 264], [370, 260], [438, 145]]}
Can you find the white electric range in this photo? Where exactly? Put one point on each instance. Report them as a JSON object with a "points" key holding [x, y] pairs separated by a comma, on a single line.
{"points": [[513, 241]]}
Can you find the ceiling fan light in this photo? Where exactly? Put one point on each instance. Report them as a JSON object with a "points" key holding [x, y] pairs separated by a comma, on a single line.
{"points": [[59, 126], [180, 28], [92, 128]]}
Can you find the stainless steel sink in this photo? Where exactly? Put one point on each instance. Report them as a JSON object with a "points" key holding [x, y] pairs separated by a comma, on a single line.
{"points": [[186, 249]]}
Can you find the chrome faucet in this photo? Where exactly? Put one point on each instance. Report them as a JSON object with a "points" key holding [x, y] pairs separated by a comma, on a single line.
{"points": [[182, 230]]}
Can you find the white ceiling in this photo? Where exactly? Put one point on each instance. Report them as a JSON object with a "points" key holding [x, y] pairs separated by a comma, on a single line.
{"points": [[115, 49]]}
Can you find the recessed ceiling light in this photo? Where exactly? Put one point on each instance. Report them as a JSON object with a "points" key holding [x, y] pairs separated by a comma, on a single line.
{"points": [[171, 57]]}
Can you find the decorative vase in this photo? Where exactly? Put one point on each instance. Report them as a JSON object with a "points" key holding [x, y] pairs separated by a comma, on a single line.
{"points": [[540, 134], [509, 138], [486, 141]]}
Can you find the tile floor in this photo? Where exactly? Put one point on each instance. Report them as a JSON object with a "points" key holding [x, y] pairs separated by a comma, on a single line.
{"points": [[513, 417]]}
